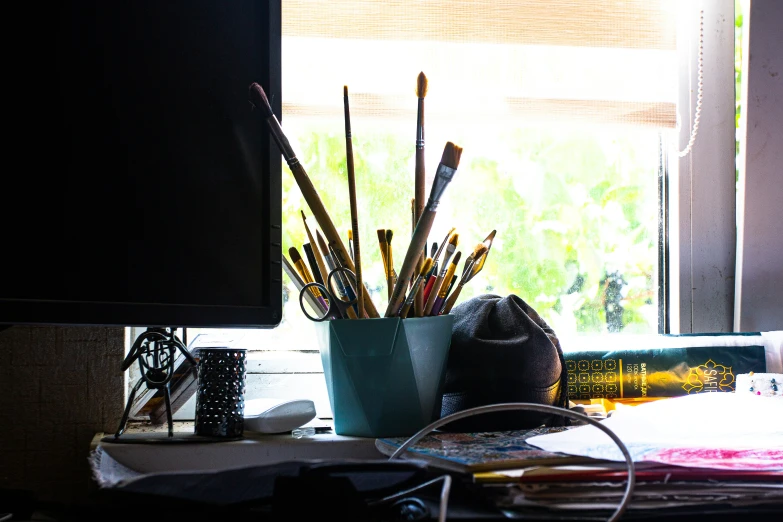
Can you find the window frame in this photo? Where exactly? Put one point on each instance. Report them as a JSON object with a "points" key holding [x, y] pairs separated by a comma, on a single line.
{"points": [[701, 244]]}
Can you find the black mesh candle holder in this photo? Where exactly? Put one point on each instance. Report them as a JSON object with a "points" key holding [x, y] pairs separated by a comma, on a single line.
{"points": [[220, 397]]}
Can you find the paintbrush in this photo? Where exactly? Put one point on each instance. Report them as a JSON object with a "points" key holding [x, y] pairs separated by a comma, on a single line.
{"points": [[413, 215], [357, 256], [299, 284], [421, 92], [384, 246], [304, 273], [443, 176], [342, 287], [473, 264], [381, 232], [425, 267], [319, 260], [442, 276], [419, 176], [258, 99], [350, 244], [314, 270], [434, 254], [451, 285], [392, 277], [348, 282], [443, 290]]}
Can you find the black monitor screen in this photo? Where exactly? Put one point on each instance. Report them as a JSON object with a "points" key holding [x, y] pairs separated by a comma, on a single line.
{"points": [[142, 188]]}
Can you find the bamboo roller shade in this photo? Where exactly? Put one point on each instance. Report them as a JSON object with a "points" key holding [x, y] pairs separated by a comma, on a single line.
{"points": [[611, 61]]}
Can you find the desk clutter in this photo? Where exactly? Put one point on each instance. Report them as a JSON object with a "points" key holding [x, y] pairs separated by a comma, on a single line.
{"points": [[693, 456]]}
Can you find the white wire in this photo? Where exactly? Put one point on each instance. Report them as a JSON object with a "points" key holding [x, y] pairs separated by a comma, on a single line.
{"points": [[699, 91], [525, 406]]}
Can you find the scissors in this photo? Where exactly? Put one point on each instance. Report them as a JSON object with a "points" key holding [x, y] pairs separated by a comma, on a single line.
{"points": [[340, 304]]}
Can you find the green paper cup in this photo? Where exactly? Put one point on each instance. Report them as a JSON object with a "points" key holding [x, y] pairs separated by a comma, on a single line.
{"points": [[385, 376]]}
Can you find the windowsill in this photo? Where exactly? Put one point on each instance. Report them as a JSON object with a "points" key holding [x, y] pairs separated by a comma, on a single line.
{"points": [[254, 449]]}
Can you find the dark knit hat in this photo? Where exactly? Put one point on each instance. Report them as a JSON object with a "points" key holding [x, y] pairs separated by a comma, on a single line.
{"points": [[502, 351]]}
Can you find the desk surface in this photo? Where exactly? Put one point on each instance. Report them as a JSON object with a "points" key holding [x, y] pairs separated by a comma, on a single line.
{"points": [[253, 449]]}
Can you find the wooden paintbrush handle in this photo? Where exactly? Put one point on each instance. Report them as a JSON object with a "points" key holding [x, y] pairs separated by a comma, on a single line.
{"points": [[408, 268], [450, 301], [325, 222], [419, 189]]}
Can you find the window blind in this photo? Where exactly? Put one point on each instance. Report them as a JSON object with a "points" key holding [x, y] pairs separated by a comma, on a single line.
{"points": [[486, 61]]}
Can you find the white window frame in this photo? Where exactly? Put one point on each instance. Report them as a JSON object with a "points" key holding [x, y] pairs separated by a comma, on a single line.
{"points": [[702, 190]]}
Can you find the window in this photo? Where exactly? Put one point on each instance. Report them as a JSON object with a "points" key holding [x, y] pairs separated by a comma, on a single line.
{"points": [[567, 113]]}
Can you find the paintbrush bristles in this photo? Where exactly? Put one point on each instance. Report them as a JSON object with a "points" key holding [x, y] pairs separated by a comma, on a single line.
{"points": [[294, 255], [425, 268], [421, 85], [451, 155], [479, 250], [259, 100], [454, 239], [457, 256]]}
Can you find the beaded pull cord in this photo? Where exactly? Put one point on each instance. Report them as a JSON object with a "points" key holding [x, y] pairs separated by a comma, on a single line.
{"points": [[763, 384]]}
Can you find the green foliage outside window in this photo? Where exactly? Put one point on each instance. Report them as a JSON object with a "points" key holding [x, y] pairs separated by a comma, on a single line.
{"points": [[575, 212]]}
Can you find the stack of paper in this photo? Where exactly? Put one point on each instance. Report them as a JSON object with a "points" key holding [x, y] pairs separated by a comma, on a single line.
{"points": [[717, 450]]}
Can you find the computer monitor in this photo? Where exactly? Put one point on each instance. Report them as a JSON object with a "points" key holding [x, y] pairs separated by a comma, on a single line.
{"points": [[140, 186]]}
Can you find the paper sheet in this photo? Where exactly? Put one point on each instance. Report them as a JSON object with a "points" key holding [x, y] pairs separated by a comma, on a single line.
{"points": [[709, 430]]}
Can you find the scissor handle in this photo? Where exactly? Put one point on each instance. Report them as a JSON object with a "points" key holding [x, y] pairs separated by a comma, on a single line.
{"points": [[343, 289], [328, 313]]}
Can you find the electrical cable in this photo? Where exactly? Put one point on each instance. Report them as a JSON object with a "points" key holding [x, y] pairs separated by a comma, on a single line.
{"points": [[541, 408], [699, 91], [444, 495]]}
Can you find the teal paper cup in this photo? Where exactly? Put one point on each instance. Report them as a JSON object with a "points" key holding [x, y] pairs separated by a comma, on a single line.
{"points": [[385, 376]]}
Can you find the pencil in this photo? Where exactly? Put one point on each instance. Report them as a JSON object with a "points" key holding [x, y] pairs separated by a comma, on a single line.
{"points": [[447, 168], [259, 100], [357, 257]]}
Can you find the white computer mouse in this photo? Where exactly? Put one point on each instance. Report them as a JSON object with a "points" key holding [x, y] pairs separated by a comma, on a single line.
{"points": [[277, 415]]}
